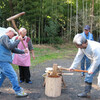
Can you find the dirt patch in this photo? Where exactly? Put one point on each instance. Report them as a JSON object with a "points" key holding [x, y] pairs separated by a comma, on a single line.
{"points": [[75, 84]]}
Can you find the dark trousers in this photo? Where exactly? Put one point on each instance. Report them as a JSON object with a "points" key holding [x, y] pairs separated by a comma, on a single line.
{"points": [[24, 73]]}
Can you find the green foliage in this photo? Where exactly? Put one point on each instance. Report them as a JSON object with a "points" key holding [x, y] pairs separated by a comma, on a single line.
{"points": [[51, 20], [52, 30]]}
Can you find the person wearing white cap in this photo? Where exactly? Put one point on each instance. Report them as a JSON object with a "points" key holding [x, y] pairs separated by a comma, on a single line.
{"points": [[9, 29], [92, 50], [6, 69]]}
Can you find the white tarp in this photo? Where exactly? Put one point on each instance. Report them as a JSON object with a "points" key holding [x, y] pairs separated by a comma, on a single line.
{"points": [[3, 31]]}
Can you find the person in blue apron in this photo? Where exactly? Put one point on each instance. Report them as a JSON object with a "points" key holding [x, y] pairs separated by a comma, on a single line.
{"points": [[88, 36]]}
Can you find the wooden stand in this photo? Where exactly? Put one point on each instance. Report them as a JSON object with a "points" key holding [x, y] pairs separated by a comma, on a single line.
{"points": [[53, 86], [54, 79]]}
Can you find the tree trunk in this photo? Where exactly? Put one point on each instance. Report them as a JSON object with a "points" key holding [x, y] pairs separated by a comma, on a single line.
{"points": [[53, 86], [11, 7], [92, 15], [76, 17], [39, 31]]}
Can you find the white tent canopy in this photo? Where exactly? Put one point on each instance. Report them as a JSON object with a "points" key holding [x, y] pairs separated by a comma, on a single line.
{"points": [[3, 31]]}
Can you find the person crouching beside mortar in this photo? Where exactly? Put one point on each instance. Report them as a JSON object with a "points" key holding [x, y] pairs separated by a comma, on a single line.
{"points": [[23, 60], [92, 50]]}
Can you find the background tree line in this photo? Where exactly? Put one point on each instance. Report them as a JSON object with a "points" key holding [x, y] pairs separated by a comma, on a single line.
{"points": [[52, 21]]}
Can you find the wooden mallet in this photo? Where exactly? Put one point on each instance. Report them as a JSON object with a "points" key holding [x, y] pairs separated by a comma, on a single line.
{"points": [[13, 22]]}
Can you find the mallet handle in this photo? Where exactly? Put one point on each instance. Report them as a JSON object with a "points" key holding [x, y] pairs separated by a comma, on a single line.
{"points": [[13, 22], [14, 25], [76, 70]]}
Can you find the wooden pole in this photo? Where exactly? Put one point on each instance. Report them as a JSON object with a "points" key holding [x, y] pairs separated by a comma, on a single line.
{"points": [[13, 22], [55, 67], [76, 70]]}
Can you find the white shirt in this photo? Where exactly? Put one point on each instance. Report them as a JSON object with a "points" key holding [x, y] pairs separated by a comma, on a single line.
{"points": [[92, 52]]}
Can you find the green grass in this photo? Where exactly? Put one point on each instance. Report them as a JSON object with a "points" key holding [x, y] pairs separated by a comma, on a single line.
{"points": [[44, 53], [50, 52]]}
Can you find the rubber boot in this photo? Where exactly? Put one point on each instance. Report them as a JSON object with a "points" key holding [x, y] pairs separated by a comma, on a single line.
{"points": [[87, 90]]}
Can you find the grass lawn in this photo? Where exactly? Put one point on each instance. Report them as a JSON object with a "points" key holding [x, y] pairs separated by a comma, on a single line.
{"points": [[49, 52]]}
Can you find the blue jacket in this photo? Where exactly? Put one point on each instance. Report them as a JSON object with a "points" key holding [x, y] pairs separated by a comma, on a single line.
{"points": [[5, 54], [89, 37], [6, 47]]}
